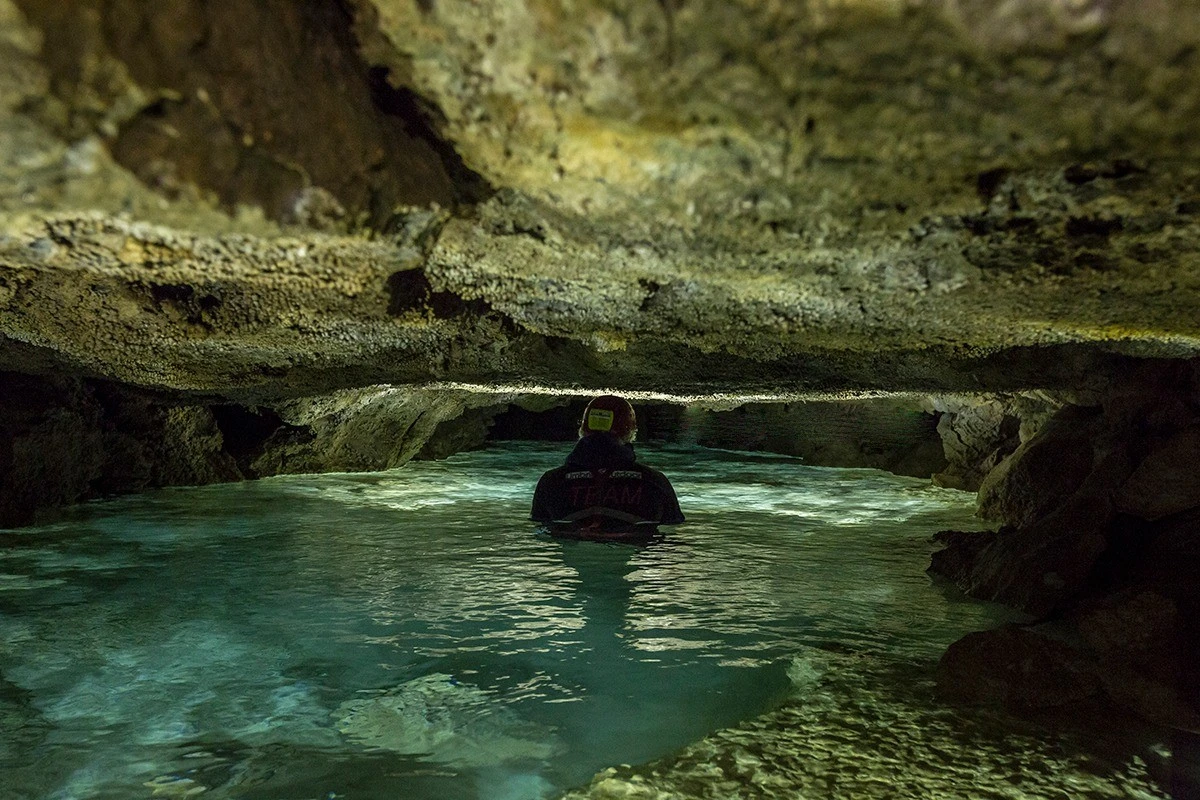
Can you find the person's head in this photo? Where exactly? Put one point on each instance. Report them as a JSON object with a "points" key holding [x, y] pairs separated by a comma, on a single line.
{"points": [[609, 415]]}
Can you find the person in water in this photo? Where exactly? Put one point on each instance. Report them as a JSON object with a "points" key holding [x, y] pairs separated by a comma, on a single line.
{"points": [[602, 490]]}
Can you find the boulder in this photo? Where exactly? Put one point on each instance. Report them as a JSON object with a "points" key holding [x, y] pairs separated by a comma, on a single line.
{"points": [[1042, 471], [1035, 569], [1055, 494], [1016, 668], [1137, 637], [1167, 482], [961, 552]]}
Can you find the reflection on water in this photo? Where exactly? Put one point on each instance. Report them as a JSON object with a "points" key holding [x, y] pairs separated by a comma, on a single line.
{"points": [[405, 634]]}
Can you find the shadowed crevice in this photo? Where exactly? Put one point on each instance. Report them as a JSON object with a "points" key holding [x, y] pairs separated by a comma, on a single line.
{"points": [[247, 432], [410, 290]]}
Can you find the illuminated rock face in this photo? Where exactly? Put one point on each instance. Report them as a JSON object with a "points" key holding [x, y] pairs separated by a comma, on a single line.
{"points": [[675, 197]]}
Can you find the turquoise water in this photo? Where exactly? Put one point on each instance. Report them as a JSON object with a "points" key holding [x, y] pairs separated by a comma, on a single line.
{"points": [[407, 635]]}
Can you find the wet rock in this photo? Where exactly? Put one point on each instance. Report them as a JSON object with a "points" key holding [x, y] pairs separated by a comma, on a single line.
{"points": [[63, 441], [1138, 639], [1167, 481], [1016, 668], [1044, 564], [977, 434], [148, 443], [1112, 556], [50, 445], [1036, 568], [1041, 472], [1169, 560], [467, 431], [224, 118], [866, 732], [897, 434], [697, 226], [374, 428], [959, 555], [1055, 495]]}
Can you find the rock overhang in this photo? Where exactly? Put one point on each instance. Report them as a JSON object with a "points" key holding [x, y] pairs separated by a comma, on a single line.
{"points": [[682, 198]]}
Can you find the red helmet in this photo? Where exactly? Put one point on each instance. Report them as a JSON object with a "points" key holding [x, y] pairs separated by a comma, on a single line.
{"points": [[611, 415]]}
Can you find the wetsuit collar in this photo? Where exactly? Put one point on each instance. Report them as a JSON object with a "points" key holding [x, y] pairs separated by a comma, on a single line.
{"points": [[600, 450]]}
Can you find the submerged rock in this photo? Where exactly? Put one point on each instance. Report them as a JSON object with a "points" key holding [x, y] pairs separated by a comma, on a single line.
{"points": [[864, 728], [444, 720]]}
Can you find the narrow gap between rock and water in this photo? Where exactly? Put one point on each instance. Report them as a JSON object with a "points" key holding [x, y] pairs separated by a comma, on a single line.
{"points": [[408, 634]]}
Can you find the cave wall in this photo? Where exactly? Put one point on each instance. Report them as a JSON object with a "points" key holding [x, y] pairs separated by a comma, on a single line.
{"points": [[67, 440], [64, 440], [897, 435], [1099, 541]]}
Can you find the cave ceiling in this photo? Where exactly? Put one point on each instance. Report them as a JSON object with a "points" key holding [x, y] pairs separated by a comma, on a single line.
{"points": [[271, 199]]}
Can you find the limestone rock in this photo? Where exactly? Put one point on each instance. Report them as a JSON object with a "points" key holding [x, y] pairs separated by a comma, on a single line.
{"points": [[50, 445], [977, 434], [1017, 668], [468, 431], [868, 732], [1036, 568], [960, 555], [149, 444], [657, 198], [62, 441], [1042, 471], [1045, 564], [1140, 646], [894, 434], [374, 428], [1167, 481], [1170, 561]]}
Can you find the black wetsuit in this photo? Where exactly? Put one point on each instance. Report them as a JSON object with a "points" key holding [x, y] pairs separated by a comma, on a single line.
{"points": [[602, 488]]}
